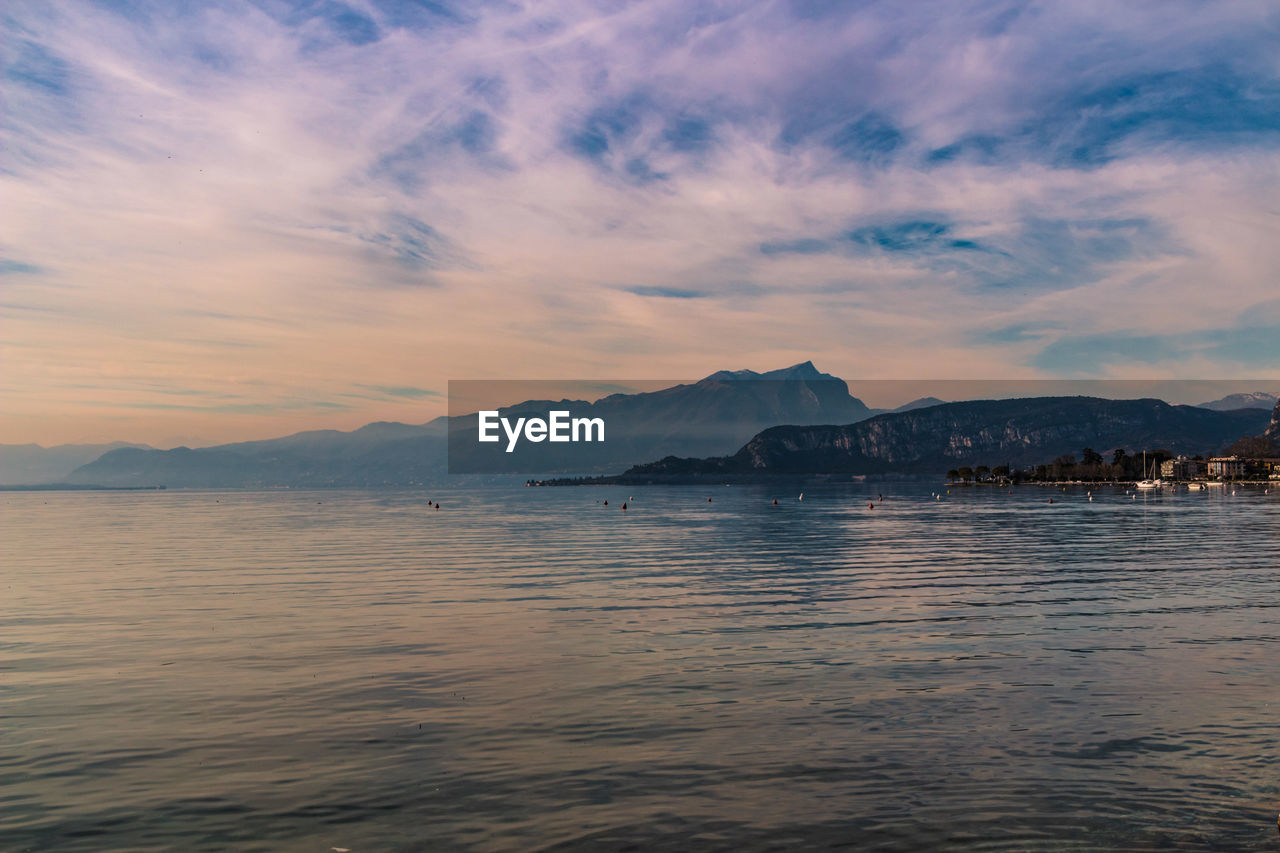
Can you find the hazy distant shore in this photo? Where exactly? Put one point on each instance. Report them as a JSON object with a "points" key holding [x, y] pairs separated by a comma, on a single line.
{"points": [[76, 487]]}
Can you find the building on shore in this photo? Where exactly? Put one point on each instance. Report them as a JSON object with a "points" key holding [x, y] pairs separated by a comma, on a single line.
{"points": [[1225, 467], [1228, 467], [1182, 468]]}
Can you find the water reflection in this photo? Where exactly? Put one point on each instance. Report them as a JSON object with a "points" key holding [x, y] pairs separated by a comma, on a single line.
{"points": [[529, 668]]}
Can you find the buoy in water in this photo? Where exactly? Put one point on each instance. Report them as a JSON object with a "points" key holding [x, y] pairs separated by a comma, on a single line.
{"points": [[624, 506], [775, 501]]}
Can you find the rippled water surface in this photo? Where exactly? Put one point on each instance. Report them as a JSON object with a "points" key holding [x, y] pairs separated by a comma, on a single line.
{"points": [[528, 668]]}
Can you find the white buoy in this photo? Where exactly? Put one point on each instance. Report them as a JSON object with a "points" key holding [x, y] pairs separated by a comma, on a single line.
{"points": [[801, 497]]}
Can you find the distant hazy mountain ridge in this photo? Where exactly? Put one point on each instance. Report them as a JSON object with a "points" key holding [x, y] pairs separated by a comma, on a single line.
{"points": [[922, 403], [712, 416], [23, 464], [1254, 400], [376, 454], [797, 419]]}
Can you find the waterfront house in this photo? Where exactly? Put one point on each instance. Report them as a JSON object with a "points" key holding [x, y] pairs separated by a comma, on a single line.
{"points": [[1183, 468], [1224, 467]]}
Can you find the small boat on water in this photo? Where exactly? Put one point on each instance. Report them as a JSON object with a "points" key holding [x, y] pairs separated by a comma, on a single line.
{"points": [[1148, 484], [1194, 487]]}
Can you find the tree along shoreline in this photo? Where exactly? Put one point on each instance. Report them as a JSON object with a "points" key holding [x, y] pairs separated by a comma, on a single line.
{"points": [[1093, 468]]}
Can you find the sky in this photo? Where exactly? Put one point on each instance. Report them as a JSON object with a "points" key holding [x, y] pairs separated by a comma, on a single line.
{"points": [[235, 220]]}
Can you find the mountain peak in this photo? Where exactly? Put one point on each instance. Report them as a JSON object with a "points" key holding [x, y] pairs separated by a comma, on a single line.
{"points": [[803, 370], [1255, 400], [796, 372]]}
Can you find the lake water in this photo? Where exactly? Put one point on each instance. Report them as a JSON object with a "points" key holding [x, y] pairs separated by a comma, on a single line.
{"points": [[528, 669]]}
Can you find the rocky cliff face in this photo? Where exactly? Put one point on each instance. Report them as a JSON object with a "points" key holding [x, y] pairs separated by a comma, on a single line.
{"points": [[991, 432], [1273, 431]]}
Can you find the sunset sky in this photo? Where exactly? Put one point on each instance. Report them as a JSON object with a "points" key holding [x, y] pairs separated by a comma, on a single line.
{"points": [[236, 220]]}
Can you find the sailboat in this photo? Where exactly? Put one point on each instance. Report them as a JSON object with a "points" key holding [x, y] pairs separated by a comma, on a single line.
{"points": [[1145, 483]]}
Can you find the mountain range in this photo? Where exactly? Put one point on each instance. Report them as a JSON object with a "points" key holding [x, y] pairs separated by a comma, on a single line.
{"points": [[712, 416], [31, 463], [376, 454], [781, 420], [1016, 432]]}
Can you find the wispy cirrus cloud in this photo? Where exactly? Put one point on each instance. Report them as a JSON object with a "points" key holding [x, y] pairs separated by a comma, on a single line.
{"points": [[404, 391], [322, 195]]}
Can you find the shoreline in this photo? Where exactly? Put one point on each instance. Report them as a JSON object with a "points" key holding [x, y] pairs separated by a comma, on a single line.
{"points": [[1127, 483], [746, 480], [75, 487]]}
